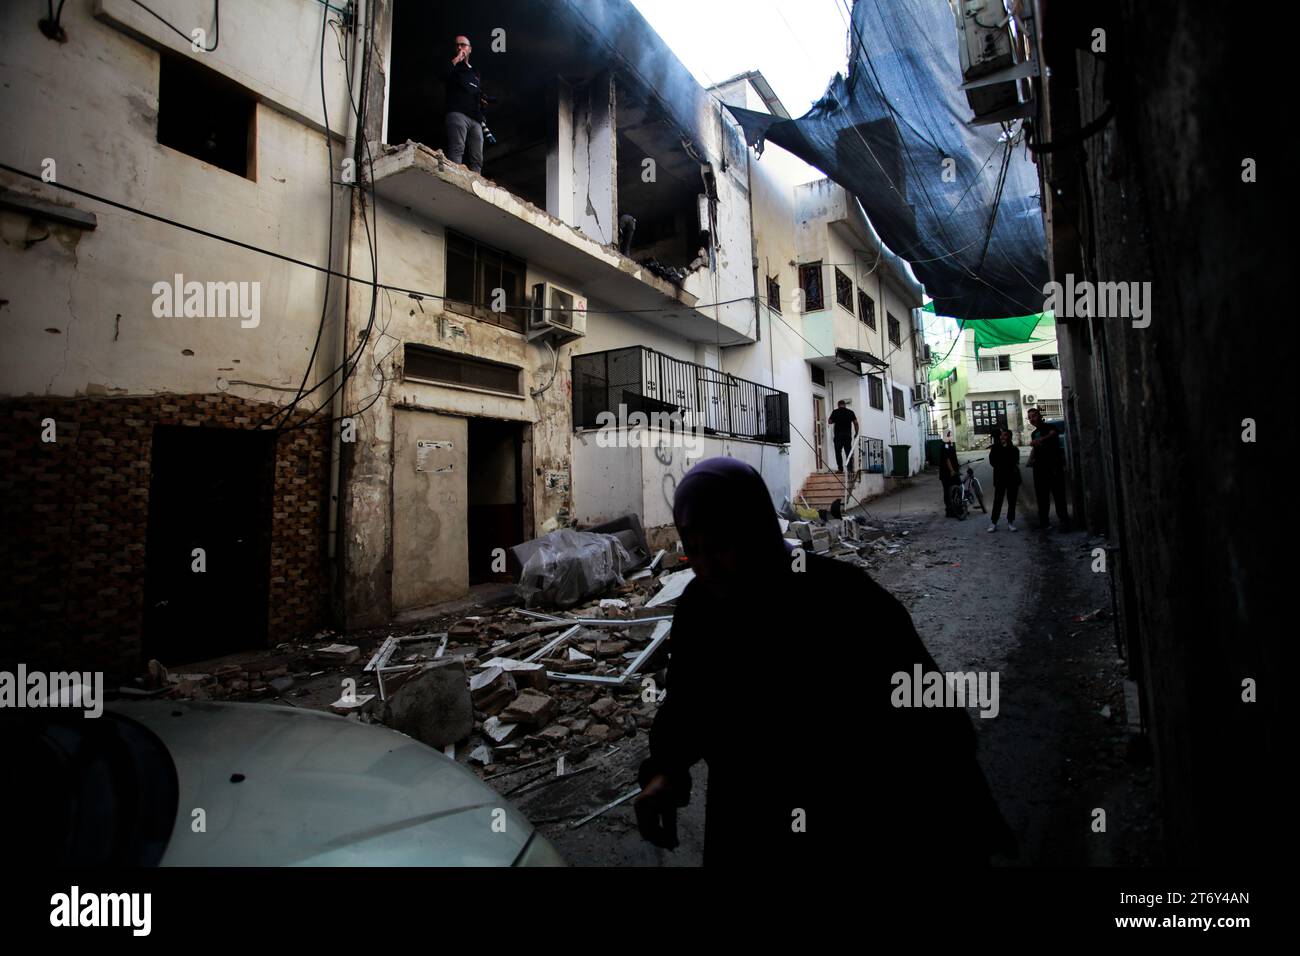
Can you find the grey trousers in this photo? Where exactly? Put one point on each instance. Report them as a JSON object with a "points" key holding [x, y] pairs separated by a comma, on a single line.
{"points": [[465, 139]]}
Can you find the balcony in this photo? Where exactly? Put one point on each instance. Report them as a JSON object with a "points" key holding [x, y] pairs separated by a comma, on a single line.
{"points": [[423, 181], [638, 379]]}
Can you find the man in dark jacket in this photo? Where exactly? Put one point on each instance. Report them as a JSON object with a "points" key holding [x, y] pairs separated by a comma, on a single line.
{"points": [[845, 425], [773, 724], [1047, 458], [464, 108]]}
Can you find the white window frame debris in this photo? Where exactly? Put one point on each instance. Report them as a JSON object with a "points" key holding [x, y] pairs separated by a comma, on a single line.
{"points": [[661, 632]]}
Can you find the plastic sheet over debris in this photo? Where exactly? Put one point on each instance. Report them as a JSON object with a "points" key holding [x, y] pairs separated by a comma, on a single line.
{"points": [[568, 566], [895, 133]]}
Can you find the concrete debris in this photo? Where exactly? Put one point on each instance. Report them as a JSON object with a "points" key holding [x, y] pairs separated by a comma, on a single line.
{"points": [[616, 603], [338, 653], [492, 689], [554, 734], [577, 655], [481, 754], [531, 708], [434, 705], [603, 708], [498, 731], [525, 674]]}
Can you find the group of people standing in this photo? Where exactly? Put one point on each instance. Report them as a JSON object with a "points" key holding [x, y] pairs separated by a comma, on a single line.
{"points": [[1046, 458]]}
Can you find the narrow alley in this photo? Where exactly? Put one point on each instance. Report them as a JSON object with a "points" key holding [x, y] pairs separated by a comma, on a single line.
{"points": [[506, 435]]}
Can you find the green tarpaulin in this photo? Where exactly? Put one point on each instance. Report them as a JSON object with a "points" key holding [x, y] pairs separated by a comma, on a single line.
{"points": [[1014, 330]]}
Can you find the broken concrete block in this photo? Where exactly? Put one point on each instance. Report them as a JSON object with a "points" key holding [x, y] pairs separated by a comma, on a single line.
{"points": [[615, 603], [498, 731], [603, 707], [555, 732], [338, 653], [434, 705], [525, 674], [577, 655], [492, 689], [801, 530], [530, 708], [598, 732], [610, 648], [481, 754], [530, 676]]}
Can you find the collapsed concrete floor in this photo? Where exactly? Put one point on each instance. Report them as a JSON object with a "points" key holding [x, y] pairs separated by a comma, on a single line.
{"points": [[1024, 605]]}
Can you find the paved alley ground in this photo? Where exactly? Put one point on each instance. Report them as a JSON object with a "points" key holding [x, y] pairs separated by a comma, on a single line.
{"points": [[1008, 602]]}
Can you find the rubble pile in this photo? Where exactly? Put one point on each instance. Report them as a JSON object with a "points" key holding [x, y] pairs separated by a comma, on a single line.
{"points": [[852, 538]]}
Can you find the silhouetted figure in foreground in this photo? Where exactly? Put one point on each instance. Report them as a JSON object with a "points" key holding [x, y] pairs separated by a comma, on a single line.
{"points": [[785, 693]]}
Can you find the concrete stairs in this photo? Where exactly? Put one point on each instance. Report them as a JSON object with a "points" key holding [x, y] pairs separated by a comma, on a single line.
{"points": [[823, 487]]}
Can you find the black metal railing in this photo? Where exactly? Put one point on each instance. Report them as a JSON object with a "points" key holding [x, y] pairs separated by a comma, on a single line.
{"points": [[639, 379]]}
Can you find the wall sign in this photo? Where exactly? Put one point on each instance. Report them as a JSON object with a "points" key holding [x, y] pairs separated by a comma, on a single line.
{"points": [[423, 448]]}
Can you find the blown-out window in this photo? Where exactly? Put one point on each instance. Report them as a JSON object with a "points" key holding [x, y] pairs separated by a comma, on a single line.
{"points": [[485, 282]]}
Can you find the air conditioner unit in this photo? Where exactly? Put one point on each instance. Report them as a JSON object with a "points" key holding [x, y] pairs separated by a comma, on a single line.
{"points": [[988, 54], [922, 394], [557, 312], [1030, 399]]}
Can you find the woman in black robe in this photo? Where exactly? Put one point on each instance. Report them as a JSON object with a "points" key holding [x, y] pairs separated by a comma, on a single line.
{"points": [[780, 678]]}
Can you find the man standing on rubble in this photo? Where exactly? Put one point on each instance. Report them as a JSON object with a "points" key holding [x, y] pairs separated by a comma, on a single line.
{"points": [[922, 799], [464, 107]]}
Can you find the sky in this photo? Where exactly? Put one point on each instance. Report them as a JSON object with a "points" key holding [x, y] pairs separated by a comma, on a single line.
{"points": [[798, 45]]}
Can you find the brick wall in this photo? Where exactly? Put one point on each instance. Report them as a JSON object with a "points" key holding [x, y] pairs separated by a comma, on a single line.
{"points": [[74, 518]]}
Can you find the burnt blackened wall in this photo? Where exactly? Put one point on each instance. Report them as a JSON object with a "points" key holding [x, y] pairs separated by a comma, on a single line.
{"points": [[1159, 197]]}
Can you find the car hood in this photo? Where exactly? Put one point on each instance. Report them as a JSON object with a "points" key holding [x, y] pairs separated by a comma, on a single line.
{"points": [[281, 787]]}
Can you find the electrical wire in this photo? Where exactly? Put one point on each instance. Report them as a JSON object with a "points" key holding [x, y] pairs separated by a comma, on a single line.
{"points": [[329, 242], [216, 29]]}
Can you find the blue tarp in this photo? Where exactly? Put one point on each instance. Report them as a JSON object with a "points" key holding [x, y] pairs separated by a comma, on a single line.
{"points": [[884, 134]]}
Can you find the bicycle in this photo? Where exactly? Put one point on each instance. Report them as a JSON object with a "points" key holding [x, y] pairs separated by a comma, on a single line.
{"points": [[966, 492]]}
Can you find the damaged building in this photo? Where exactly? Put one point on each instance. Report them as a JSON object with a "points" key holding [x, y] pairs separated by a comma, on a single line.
{"points": [[291, 352]]}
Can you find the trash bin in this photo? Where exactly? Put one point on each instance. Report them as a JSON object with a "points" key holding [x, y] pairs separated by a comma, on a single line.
{"points": [[900, 453], [933, 450]]}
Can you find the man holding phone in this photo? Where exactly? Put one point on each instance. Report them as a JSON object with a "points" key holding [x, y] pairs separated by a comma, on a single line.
{"points": [[464, 108]]}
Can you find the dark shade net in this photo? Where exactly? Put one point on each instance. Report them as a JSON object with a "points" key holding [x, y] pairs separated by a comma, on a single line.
{"points": [[905, 54]]}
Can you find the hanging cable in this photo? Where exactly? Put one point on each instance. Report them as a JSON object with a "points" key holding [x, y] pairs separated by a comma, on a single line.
{"points": [[216, 29]]}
